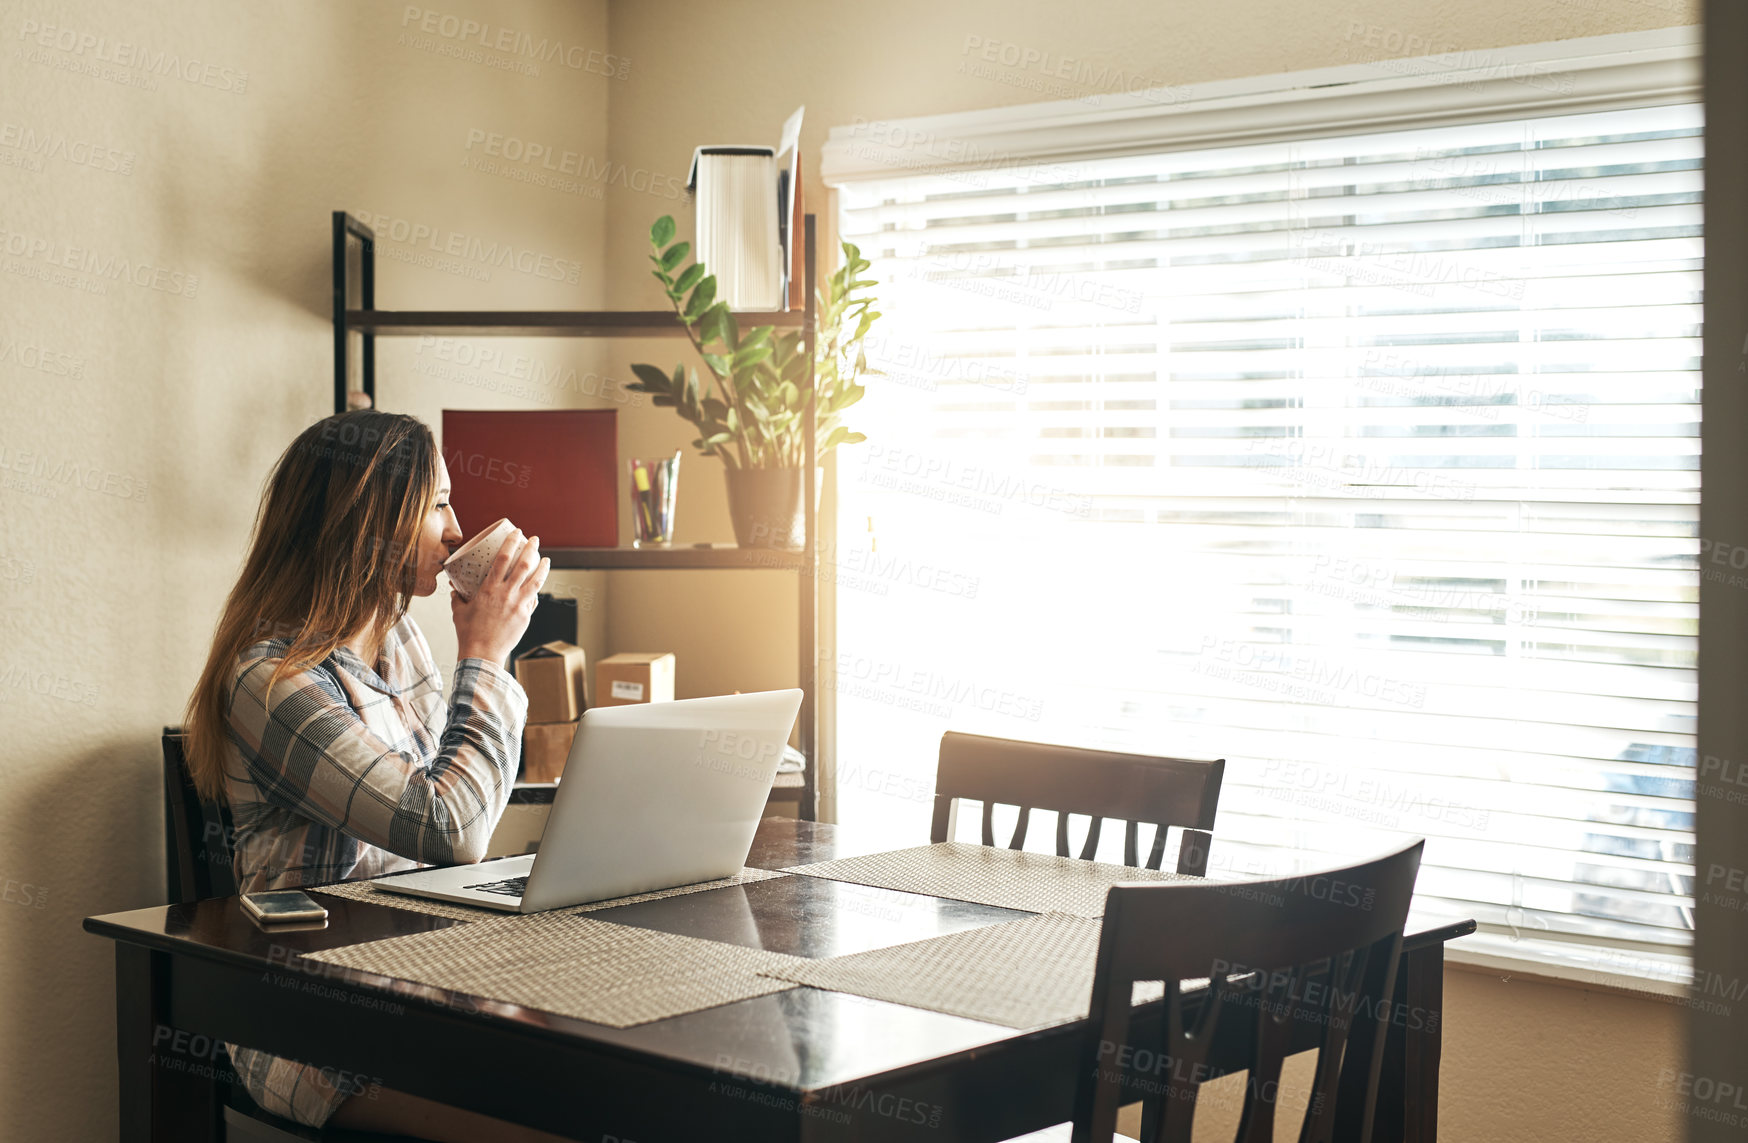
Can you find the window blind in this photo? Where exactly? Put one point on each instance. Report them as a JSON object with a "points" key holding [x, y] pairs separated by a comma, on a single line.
{"points": [[1368, 462]]}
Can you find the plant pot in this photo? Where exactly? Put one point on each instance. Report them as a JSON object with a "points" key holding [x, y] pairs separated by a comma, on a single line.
{"points": [[766, 507]]}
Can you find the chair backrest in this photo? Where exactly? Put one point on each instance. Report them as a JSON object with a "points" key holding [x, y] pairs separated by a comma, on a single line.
{"points": [[1134, 788], [1318, 948], [197, 833]]}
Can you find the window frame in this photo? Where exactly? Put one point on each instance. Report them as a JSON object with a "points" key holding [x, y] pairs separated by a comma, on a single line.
{"points": [[1635, 69]]}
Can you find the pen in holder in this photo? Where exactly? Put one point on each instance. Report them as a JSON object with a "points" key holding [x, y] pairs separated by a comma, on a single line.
{"points": [[652, 501]]}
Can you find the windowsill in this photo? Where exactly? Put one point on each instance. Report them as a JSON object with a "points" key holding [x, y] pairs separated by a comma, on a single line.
{"points": [[1663, 977]]}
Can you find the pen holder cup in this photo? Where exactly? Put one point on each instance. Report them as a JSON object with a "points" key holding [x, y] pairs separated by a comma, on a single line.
{"points": [[653, 483]]}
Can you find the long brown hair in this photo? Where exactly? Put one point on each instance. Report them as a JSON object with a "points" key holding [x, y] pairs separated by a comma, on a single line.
{"points": [[335, 547]]}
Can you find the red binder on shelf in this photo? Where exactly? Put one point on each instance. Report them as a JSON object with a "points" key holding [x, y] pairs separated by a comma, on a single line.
{"points": [[553, 472]]}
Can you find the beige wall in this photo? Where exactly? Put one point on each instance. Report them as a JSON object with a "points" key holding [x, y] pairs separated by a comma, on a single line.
{"points": [[181, 400], [187, 400], [1526, 1060], [1529, 1060]]}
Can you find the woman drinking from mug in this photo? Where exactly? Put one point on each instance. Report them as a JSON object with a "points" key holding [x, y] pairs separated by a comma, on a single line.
{"points": [[320, 716]]}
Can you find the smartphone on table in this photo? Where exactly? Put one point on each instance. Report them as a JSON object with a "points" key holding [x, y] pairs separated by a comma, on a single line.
{"points": [[283, 905]]}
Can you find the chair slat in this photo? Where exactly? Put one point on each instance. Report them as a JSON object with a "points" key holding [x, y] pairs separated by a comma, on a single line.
{"points": [[1346, 979], [1025, 818], [1362, 1061], [1262, 1087], [1102, 1092], [1157, 853], [1091, 849]]}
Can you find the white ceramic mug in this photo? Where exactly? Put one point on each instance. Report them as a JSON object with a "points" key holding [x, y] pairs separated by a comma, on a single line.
{"points": [[467, 568]]}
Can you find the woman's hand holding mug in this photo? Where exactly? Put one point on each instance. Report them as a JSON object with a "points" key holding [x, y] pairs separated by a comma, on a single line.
{"points": [[491, 619]]}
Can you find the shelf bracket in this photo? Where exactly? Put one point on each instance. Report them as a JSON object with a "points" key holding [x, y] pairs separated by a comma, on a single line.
{"points": [[345, 226]]}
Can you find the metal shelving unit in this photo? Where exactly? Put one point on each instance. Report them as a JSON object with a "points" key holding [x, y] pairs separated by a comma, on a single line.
{"points": [[360, 315]]}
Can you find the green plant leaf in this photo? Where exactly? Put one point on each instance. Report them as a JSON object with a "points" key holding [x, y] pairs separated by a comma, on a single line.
{"points": [[701, 299], [690, 278], [750, 409], [749, 355], [717, 324], [727, 328]]}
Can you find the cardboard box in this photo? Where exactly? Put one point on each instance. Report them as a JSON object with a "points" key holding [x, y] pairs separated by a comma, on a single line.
{"points": [[554, 675], [634, 677], [545, 746]]}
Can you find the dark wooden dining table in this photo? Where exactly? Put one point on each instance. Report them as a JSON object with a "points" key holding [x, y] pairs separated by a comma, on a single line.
{"points": [[802, 1064]]}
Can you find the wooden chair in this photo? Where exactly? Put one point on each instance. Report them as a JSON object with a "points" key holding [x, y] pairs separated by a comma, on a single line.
{"points": [[197, 833], [197, 865], [1100, 783], [1320, 948]]}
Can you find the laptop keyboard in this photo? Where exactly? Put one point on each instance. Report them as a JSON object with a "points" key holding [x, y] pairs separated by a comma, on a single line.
{"points": [[508, 887]]}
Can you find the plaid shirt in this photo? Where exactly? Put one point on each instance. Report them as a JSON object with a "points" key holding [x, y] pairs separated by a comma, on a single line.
{"points": [[350, 774]]}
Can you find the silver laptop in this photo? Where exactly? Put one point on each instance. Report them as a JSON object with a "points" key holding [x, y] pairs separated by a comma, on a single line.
{"points": [[653, 796]]}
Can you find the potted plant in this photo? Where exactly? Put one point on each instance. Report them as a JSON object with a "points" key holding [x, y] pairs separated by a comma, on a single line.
{"points": [[751, 411]]}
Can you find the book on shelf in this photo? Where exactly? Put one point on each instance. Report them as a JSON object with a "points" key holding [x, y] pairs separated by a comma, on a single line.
{"points": [[748, 222], [552, 472]]}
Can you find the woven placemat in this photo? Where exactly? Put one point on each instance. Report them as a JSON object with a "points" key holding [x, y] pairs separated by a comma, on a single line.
{"points": [[1009, 878], [369, 891], [1021, 974], [573, 965]]}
